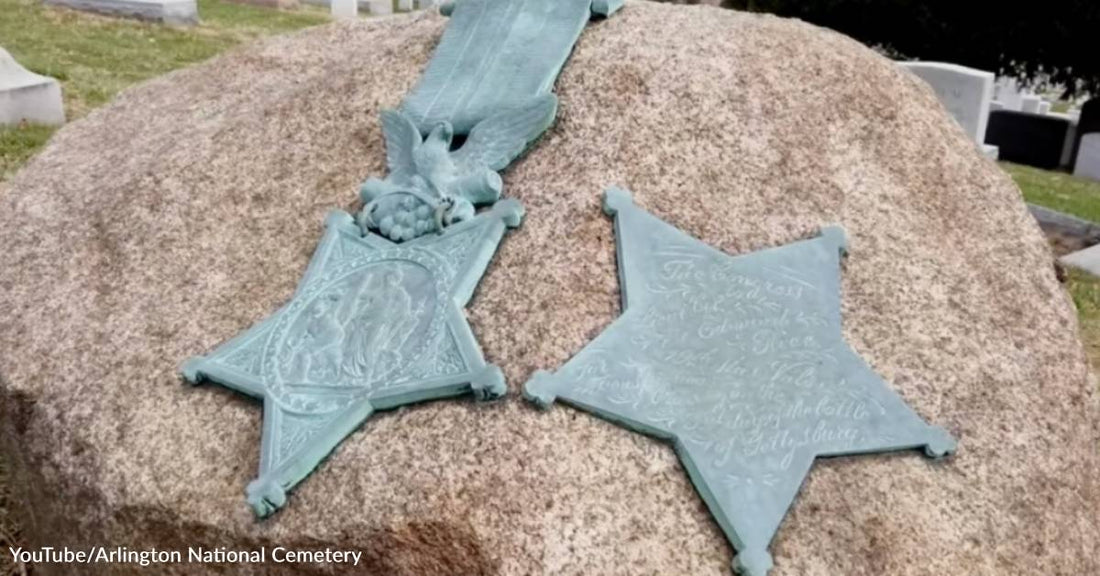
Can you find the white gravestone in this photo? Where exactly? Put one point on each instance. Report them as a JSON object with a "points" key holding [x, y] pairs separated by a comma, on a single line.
{"points": [[26, 96], [967, 94], [996, 105], [344, 8], [1044, 107], [1030, 103], [176, 12], [1007, 92], [1088, 157], [381, 7]]}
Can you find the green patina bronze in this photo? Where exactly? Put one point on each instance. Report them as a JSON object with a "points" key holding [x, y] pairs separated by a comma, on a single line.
{"points": [[430, 186], [497, 55], [741, 363], [373, 325], [490, 78]]}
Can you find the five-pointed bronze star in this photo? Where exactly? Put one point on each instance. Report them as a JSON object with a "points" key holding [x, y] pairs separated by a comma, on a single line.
{"points": [[740, 362]]}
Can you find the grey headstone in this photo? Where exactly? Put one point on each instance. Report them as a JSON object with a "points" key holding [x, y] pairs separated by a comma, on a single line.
{"points": [[1007, 92], [1088, 157], [177, 12], [26, 96], [1030, 103], [344, 8], [381, 7], [965, 92], [363, 6]]}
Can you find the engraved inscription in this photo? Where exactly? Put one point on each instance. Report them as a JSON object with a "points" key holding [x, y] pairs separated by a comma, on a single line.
{"points": [[741, 362], [742, 366]]}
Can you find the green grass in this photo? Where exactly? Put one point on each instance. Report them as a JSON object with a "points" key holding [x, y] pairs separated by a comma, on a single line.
{"points": [[1085, 290], [1080, 197], [96, 57], [1060, 106], [1057, 190], [18, 144]]}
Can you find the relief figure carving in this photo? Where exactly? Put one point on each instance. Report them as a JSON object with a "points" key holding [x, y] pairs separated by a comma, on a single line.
{"points": [[357, 331]]}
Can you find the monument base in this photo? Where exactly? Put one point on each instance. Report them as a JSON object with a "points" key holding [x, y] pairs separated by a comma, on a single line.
{"points": [[175, 12]]}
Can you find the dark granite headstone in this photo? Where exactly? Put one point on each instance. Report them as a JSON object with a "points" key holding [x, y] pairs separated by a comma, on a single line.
{"points": [[1026, 138]]}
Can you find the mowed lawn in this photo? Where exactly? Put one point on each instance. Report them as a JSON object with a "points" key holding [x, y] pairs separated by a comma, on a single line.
{"points": [[1081, 198], [95, 57]]}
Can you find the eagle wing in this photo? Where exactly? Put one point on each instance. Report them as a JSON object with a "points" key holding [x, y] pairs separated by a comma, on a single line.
{"points": [[496, 141], [402, 140]]}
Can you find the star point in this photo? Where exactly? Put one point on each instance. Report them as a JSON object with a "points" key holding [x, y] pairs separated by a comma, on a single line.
{"points": [[741, 362], [373, 325]]}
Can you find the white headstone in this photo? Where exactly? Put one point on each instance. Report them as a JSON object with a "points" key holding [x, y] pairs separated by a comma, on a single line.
{"points": [[344, 8], [381, 7], [965, 92], [177, 12], [1088, 157], [1030, 103], [1044, 107], [26, 96], [1007, 92], [996, 105]]}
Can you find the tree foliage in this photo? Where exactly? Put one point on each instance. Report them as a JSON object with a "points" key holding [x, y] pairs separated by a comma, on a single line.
{"points": [[1058, 39]]}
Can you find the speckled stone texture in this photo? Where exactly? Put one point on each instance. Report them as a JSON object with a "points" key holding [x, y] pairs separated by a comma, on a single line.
{"points": [[185, 211]]}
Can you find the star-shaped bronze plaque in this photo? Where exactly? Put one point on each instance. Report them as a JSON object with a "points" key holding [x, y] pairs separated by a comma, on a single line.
{"points": [[372, 326], [740, 362]]}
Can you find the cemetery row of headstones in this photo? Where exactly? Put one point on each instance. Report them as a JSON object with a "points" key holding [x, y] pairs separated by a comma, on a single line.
{"points": [[186, 12], [29, 97], [1013, 124]]}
